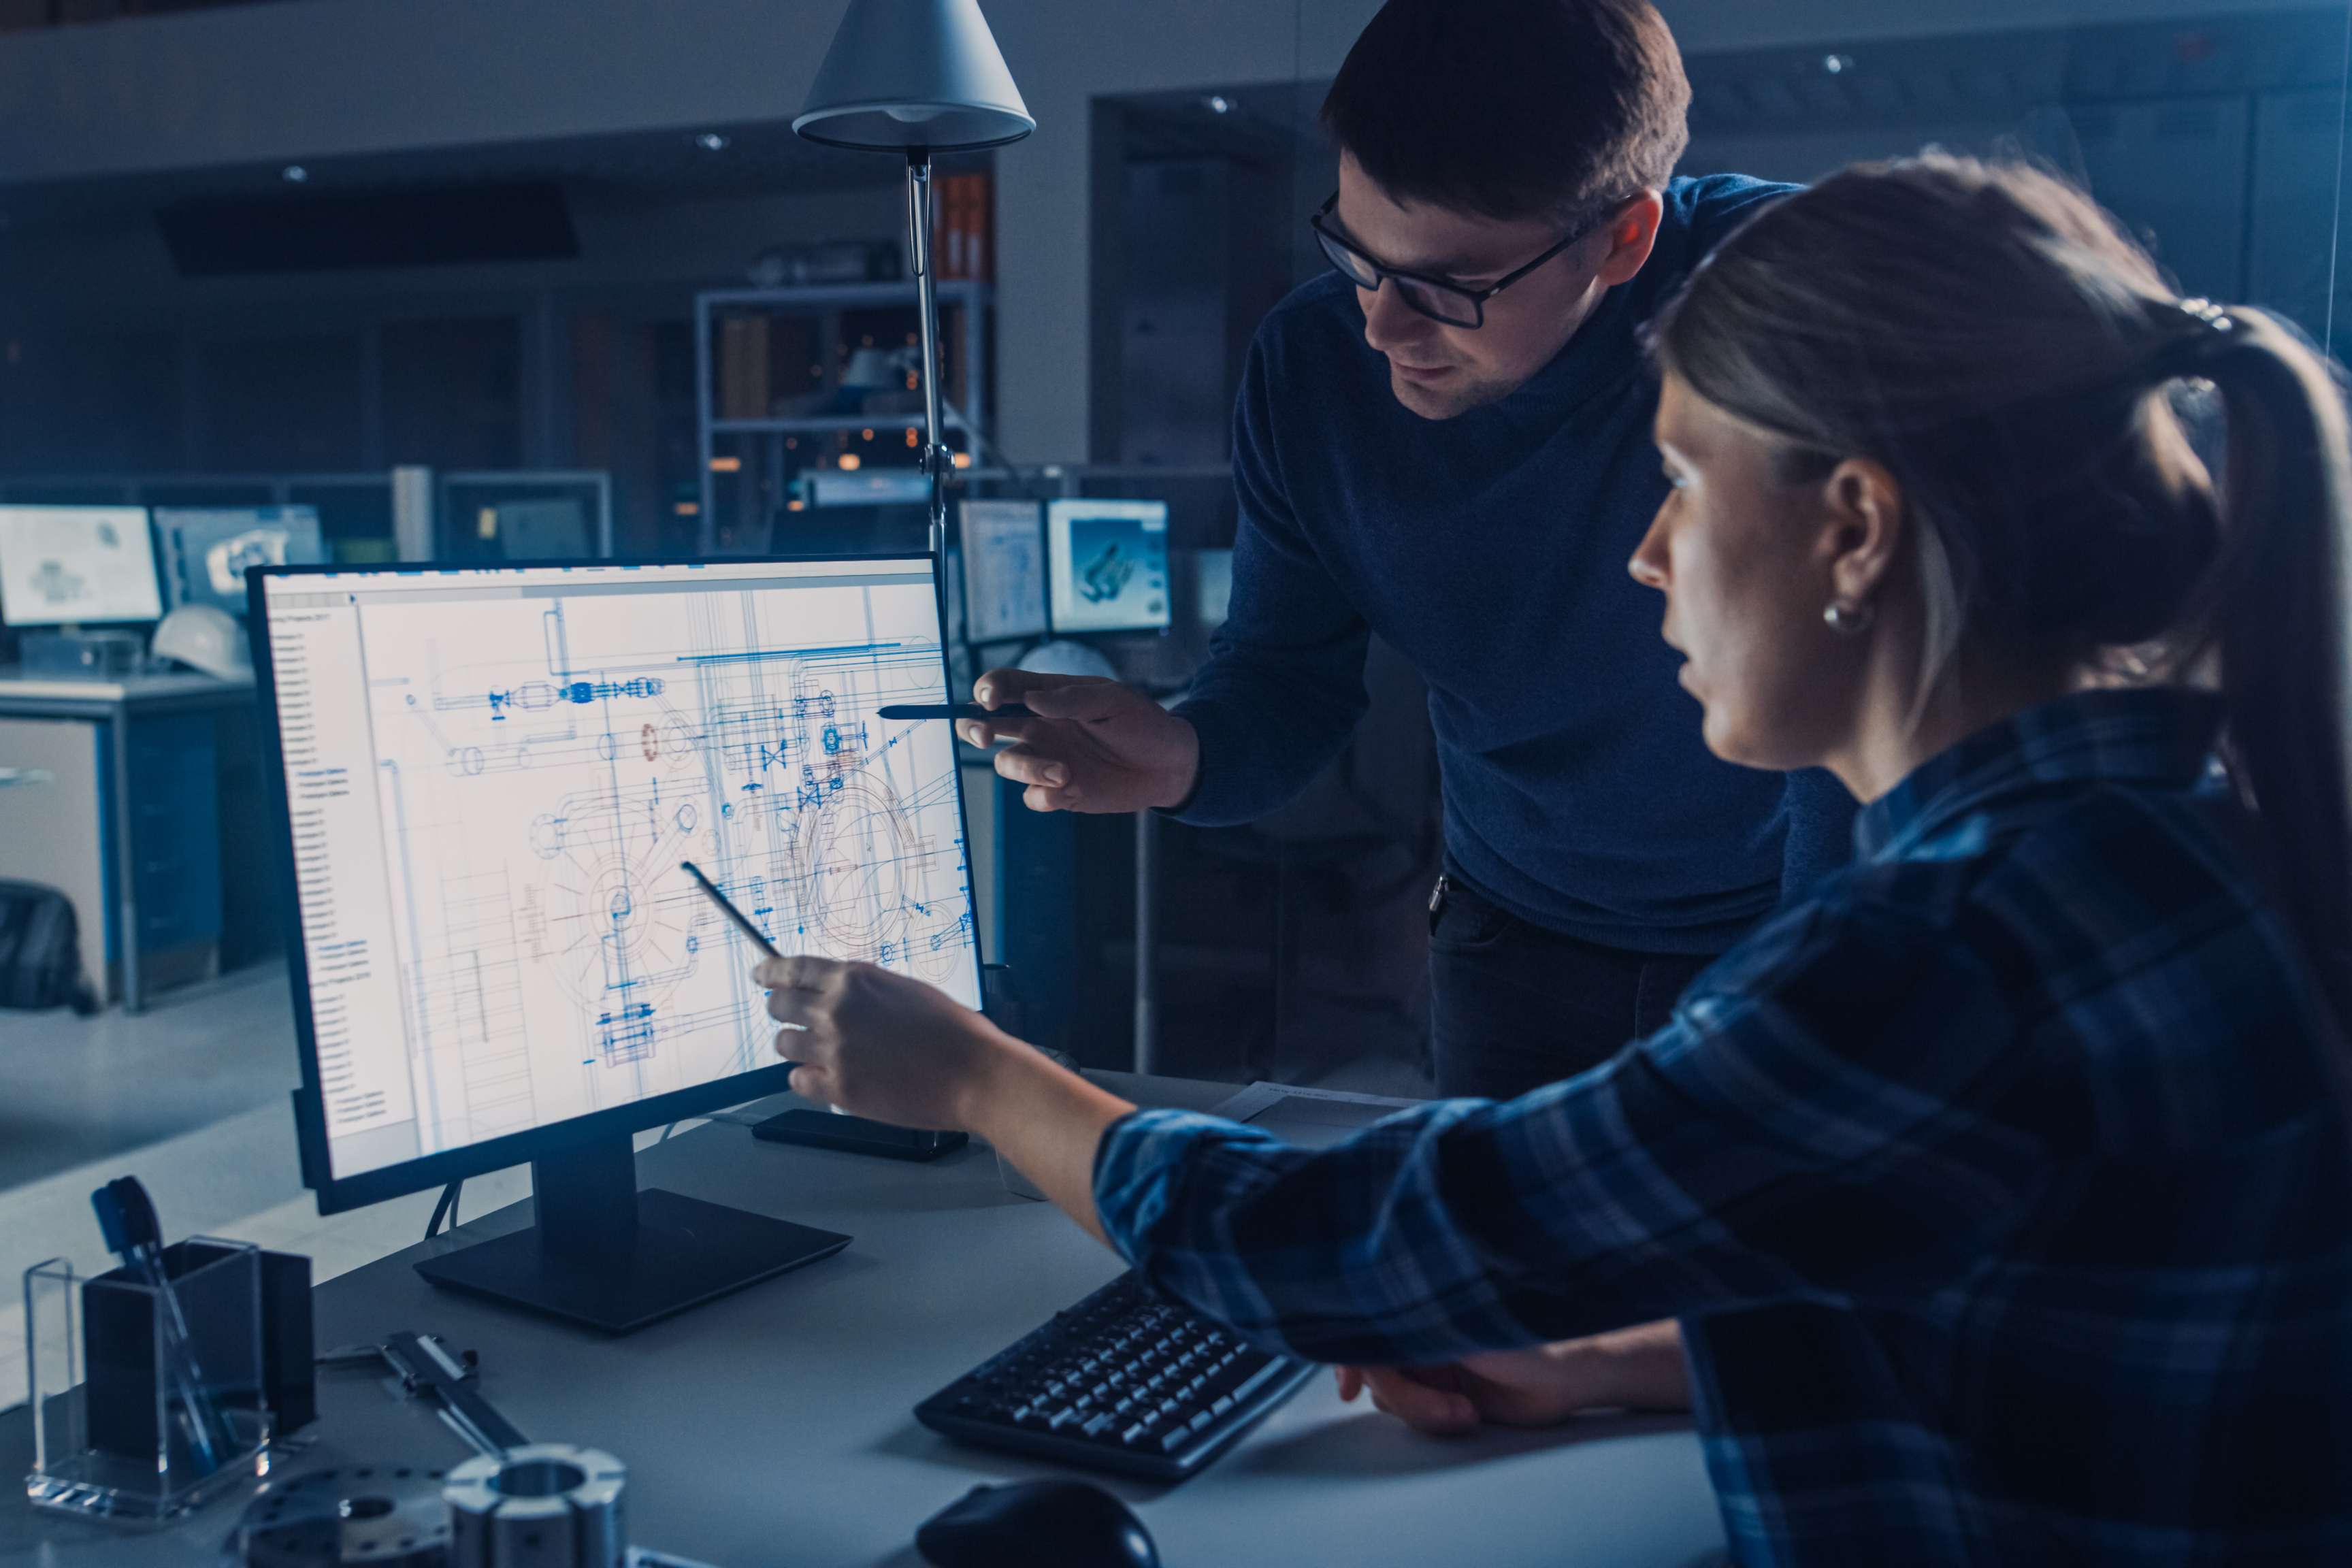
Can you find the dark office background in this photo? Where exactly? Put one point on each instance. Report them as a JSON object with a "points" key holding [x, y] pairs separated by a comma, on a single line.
{"points": [[530, 306]]}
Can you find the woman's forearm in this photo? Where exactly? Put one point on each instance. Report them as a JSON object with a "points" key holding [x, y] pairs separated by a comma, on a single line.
{"points": [[1640, 1368], [1048, 1122]]}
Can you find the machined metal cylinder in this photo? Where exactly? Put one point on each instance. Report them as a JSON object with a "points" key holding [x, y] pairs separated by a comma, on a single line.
{"points": [[548, 1505]]}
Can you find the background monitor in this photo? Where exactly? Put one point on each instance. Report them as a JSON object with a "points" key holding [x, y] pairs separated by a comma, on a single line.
{"points": [[62, 565], [1213, 574], [491, 777], [542, 530], [1004, 571], [868, 487], [205, 552], [1108, 564]]}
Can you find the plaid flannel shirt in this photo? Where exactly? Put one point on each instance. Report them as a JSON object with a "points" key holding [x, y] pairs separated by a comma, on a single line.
{"points": [[1998, 1186]]}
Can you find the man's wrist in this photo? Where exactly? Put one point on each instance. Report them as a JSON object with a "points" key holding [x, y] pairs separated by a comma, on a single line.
{"points": [[1187, 781]]}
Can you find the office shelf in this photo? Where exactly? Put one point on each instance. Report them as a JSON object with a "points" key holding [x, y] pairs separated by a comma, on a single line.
{"points": [[757, 443], [820, 424]]}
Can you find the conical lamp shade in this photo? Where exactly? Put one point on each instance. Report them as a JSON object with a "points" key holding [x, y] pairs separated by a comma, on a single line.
{"points": [[914, 73]]}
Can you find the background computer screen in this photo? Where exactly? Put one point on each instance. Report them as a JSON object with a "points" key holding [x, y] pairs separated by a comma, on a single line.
{"points": [[1109, 564], [205, 552], [542, 530], [1004, 571], [492, 775], [65, 564]]}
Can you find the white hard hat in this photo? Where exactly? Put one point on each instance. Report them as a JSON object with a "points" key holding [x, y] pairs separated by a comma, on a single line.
{"points": [[205, 637], [1067, 659]]}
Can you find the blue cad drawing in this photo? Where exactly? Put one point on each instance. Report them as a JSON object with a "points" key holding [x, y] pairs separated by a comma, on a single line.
{"points": [[554, 800]]}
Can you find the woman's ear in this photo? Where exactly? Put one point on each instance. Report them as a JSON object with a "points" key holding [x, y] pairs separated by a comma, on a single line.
{"points": [[1863, 527]]}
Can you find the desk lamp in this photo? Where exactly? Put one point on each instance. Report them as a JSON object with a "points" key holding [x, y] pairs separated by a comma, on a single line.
{"points": [[915, 77]]}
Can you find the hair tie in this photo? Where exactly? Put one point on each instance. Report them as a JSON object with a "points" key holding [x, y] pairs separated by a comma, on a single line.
{"points": [[2213, 334]]}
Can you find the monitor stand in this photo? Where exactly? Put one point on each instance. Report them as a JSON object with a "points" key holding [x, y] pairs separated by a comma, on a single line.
{"points": [[607, 1255]]}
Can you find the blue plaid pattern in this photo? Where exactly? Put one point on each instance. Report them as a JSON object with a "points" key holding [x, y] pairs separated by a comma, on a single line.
{"points": [[1998, 1187]]}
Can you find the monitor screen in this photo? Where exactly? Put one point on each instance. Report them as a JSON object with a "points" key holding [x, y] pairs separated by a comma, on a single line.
{"points": [[205, 552], [1004, 571], [61, 565], [492, 776], [1109, 564], [542, 529], [870, 487], [1214, 572]]}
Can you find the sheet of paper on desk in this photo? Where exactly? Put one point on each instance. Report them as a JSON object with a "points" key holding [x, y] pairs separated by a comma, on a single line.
{"points": [[1310, 1118]]}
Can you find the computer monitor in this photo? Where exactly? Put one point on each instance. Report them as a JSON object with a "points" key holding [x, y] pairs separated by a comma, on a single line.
{"points": [[205, 552], [77, 565], [1213, 574], [868, 487], [1108, 562], [1004, 571], [542, 529], [492, 776]]}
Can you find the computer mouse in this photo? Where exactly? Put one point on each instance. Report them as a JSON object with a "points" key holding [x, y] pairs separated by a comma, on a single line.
{"points": [[1067, 1524]]}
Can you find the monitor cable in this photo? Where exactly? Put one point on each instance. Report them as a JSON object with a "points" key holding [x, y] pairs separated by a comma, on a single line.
{"points": [[447, 1206]]}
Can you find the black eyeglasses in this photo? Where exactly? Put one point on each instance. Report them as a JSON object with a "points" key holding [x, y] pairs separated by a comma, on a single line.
{"points": [[1436, 298]]}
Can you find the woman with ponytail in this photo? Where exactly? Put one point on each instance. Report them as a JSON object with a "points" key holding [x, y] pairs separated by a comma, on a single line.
{"points": [[1999, 1191]]}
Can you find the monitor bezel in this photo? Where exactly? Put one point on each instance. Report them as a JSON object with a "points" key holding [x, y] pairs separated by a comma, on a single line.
{"points": [[1045, 625], [1055, 558], [154, 567], [341, 1194]]}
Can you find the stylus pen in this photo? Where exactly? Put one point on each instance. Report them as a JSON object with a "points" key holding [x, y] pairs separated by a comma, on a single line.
{"points": [[742, 922], [953, 710]]}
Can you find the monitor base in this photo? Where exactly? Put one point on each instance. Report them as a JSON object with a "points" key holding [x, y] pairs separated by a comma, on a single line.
{"points": [[610, 1257], [687, 1252], [856, 1136]]}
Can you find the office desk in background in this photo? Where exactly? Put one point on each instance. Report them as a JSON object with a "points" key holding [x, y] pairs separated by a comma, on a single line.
{"points": [[774, 1427], [119, 804]]}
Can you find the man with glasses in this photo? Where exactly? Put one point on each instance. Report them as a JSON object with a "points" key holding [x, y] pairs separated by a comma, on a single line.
{"points": [[1446, 441]]}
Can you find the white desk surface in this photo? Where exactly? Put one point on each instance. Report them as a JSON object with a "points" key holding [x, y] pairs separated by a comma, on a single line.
{"points": [[774, 1425], [15, 682]]}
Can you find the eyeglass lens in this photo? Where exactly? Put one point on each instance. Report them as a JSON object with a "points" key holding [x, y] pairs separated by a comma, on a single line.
{"points": [[1438, 303]]}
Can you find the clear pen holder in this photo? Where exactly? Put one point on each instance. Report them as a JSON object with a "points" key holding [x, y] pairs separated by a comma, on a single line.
{"points": [[145, 1403]]}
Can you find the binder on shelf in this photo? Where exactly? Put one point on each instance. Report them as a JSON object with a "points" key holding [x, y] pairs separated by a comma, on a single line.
{"points": [[743, 368], [962, 223]]}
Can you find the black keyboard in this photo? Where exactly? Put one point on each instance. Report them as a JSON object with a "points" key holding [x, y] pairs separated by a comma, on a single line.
{"points": [[1124, 1382]]}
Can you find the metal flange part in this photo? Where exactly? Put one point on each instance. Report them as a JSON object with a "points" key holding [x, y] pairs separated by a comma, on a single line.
{"points": [[389, 1515], [545, 1505]]}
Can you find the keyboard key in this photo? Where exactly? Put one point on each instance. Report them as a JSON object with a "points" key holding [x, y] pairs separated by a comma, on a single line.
{"points": [[1099, 1425], [1219, 1405], [1257, 1379]]}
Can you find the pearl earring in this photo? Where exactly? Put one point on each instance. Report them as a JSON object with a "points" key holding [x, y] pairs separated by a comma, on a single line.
{"points": [[1848, 619]]}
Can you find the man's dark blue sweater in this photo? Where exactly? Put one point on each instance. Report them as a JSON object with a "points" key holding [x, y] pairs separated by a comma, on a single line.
{"points": [[1491, 550]]}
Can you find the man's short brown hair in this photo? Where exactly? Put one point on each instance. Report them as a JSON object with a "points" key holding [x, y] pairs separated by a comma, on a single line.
{"points": [[1513, 109]]}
